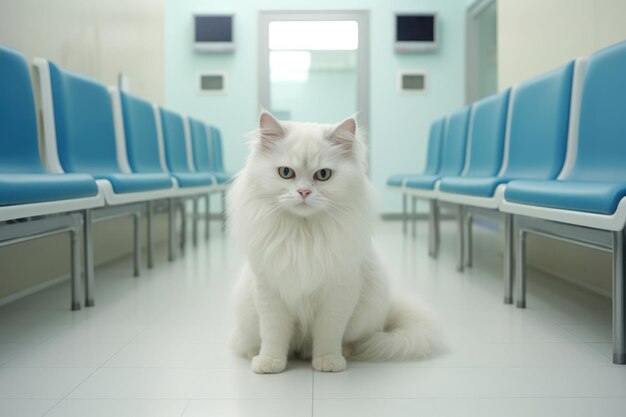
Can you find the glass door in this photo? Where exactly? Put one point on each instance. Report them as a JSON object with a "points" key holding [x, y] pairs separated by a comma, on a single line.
{"points": [[313, 65]]}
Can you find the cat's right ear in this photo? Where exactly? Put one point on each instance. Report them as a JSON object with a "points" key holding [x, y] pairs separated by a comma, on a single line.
{"points": [[270, 130]]}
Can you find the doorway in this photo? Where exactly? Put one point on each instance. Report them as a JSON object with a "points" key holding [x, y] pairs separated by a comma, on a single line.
{"points": [[481, 53], [314, 65]]}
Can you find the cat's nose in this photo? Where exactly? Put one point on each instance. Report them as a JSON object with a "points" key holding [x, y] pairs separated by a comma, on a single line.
{"points": [[304, 192]]}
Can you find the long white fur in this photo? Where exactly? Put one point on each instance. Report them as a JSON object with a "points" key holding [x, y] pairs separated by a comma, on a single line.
{"points": [[313, 285]]}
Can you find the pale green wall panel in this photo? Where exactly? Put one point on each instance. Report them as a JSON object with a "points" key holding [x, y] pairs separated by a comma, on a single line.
{"points": [[399, 123]]}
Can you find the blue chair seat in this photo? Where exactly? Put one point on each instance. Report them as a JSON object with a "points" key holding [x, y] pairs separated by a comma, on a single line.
{"points": [[137, 182], [476, 186], [39, 188], [193, 179], [221, 177], [593, 197], [398, 179], [426, 182]]}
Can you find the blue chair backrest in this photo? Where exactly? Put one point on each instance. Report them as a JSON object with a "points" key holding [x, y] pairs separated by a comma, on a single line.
{"points": [[83, 118], [140, 130], [601, 152], [174, 141], [453, 152], [435, 139], [539, 125], [200, 145], [217, 156], [487, 131], [18, 124]]}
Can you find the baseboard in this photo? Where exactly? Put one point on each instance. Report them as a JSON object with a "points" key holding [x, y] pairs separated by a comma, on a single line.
{"points": [[31, 290], [559, 275]]}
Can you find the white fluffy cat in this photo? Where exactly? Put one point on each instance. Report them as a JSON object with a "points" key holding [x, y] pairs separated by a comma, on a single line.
{"points": [[303, 210]]}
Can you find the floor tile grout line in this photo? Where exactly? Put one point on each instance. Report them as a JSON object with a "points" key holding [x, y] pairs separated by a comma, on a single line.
{"points": [[52, 407], [186, 407], [124, 345], [95, 370], [71, 391]]}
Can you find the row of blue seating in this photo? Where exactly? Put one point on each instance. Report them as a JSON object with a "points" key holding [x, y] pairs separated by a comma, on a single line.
{"points": [[545, 156], [102, 154]]}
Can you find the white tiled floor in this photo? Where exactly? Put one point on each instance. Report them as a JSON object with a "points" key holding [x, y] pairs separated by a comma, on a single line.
{"points": [[156, 346]]}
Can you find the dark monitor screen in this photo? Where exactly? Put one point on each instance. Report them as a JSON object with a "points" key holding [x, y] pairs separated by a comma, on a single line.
{"points": [[214, 28], [415, 28]]}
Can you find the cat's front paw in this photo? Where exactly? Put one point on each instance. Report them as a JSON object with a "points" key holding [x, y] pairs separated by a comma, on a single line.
{"points": [[263, 364], [329, 363]]}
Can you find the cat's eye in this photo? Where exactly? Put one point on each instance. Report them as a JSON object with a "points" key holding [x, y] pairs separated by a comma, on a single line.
{"points": [[286, 172], [323, 174]]}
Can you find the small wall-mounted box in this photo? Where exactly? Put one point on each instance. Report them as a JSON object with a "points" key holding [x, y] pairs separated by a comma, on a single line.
{"points": [[412, 82], [212, 83], [213, 33]]}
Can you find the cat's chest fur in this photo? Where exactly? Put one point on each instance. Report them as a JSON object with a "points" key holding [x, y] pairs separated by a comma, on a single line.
{"points": [[301, 257]]}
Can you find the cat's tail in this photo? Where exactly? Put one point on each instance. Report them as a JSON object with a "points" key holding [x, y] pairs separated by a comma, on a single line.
{"points": [[411, 332]]}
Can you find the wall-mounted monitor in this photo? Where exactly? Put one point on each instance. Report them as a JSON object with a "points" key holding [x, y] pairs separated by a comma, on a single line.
{"points": [[213, 33], [416, 32]]}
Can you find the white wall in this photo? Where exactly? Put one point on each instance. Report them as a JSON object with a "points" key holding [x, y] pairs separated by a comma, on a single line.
{"points": [[95, 38], [399, 123], [98, 39], [535, 36]]}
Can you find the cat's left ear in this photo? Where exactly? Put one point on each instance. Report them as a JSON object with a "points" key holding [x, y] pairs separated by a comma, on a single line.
{"points": [[270, 130], [344, 134]]}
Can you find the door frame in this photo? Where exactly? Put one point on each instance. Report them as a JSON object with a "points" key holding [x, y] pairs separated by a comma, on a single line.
{"points": [[472, 14], [363, 72]]}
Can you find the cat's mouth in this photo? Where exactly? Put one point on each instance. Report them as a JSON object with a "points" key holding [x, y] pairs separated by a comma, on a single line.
{"points": [[303, 208]]}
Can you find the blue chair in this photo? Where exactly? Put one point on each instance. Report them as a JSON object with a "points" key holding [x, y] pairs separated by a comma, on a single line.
{"points": [[484, 161], [177, 140], [28, 192], [586, 204], [79, 137], [138, 143], [453, 156], [486, 147], [207, 156], [433, 163], [222, 177], [537, 132]]}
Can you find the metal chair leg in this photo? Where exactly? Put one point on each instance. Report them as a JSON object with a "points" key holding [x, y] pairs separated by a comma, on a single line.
{"points": [[171, 228], [461, 230], [137, 243], [194, 232], [149, 242], [75, 269], [183, 227], [619, 297], [520, 269], [223, 210], [509, 240], [88, 258], [404, 213], [207, 216], [433, 230], [469, 241], [414, 217]]}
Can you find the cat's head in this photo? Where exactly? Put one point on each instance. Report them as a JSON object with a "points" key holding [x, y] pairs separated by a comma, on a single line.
{"points": [[307, 168]]}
